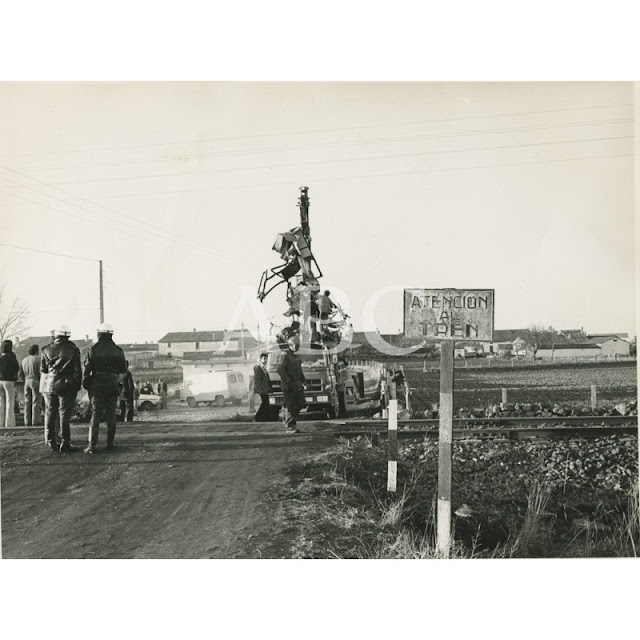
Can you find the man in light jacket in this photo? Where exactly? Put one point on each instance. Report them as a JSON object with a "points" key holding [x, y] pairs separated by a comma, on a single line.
{"points": [[30, 373]]}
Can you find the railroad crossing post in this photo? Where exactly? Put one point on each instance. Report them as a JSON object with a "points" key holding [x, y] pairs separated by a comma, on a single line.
{"points": [[392, 438], [443, 537]]}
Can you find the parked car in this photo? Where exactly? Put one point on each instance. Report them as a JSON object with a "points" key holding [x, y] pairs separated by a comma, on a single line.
{"points": [[148, 401]]}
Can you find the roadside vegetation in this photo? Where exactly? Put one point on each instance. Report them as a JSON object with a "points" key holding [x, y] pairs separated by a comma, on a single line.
{"points": [[512, 499]]}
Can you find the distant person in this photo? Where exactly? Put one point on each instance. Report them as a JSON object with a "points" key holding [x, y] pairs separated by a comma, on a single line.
{"points": [[104, 372], [9, 369], [293, 384], [54, 427], [127, 397], [30, 373], [164, 393], [325, 305], [147, 388], [136, 395], [61, 362], [315, 326], [261, 387]]}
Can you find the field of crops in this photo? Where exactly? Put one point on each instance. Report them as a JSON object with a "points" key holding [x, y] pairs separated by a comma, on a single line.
{"points": [[481, 388]]}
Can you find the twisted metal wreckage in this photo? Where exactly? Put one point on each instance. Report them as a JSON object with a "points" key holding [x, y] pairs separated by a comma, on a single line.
{"points": [[302, 274]]}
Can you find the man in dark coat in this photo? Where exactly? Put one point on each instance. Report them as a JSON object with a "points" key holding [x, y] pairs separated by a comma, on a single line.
{"points": [[293, 384], [127, 397], [262, 386], [104, 373], [60, 365], [9, 369]]}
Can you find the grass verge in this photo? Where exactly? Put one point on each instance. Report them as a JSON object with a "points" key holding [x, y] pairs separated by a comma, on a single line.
{"points": [[510, 500]]}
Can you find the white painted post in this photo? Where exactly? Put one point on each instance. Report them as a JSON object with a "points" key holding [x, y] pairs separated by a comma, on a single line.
{"points": [[392, 441], [594, 397], [504, 395], [443, 534]]}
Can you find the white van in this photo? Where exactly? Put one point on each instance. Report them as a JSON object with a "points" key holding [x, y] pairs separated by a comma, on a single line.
{"points": [[214, 387]]}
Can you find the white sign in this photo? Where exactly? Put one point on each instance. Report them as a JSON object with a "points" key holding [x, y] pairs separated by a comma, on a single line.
{"points": [[449, 314]]}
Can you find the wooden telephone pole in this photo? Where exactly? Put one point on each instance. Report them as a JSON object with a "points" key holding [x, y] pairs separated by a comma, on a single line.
{"points": [[101, 295]]}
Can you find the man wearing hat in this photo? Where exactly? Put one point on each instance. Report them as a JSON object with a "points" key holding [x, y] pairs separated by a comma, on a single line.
{"points": [[61, 368], [104, 373], [292, 380]]}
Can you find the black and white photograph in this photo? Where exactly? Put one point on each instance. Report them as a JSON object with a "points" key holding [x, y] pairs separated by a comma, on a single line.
{"points": [[285, 284], [318, 320]]}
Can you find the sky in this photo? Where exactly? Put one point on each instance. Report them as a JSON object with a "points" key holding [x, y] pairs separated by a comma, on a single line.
{"points": [[179, 189]]}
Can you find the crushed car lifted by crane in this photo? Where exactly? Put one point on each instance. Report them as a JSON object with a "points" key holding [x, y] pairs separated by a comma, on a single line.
{"points": [[322, 339]]}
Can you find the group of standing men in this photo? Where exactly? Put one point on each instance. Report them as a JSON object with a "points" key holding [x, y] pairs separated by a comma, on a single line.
{"points": [[292, 382], [104, 375]]}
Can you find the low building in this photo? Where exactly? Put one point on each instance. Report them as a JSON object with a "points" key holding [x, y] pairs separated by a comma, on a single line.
{"points": [[139, 354], [178, 344], [613, 346], [569, 350], [510, 343]]}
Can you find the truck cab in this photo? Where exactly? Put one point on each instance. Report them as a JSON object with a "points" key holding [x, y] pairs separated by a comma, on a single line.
{"points": [[326, 378]]}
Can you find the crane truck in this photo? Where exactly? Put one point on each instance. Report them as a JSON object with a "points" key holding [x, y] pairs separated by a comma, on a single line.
{"points": [[323, 340]]}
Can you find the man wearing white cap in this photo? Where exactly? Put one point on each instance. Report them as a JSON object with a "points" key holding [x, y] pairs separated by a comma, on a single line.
{"points": [[104, 372], [60, 364]]}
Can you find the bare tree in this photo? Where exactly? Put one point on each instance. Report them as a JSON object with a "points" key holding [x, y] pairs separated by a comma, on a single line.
{"points": [[539, 335], [14, 316]]}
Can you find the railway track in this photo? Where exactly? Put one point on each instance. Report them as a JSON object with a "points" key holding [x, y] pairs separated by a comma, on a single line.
{"points": [[505, 428]]}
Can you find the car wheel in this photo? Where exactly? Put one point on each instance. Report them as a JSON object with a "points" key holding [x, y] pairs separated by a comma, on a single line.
{"points": [[220, 401], [192, 403], [146, 406]]}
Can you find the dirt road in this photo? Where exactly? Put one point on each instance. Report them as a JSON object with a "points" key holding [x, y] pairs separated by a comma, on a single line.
{"points": [[165, 491]]}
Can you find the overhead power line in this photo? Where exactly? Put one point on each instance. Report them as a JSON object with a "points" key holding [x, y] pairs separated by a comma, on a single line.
{"points": [[328, 145], [357, 177], [321, 162], [138, 226], [327, 130], [51, 253]]}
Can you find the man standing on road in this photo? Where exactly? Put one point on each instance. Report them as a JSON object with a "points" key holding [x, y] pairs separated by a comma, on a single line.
{"points": [[290, 371], [262, 386], [60, 363], [127, 397], [9, 369], [104, 372], [51, 422], [30, 373]]}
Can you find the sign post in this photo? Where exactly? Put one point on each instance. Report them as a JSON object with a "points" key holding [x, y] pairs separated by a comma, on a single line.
{"points": [[445, 442], [447, 316]]}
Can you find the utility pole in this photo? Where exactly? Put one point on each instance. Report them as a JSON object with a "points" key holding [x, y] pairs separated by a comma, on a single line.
{"points": [[242, 339], [101, 295]]}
